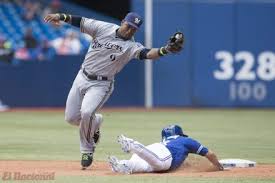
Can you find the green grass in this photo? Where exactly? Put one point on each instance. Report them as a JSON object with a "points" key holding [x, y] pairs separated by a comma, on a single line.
{"points": [[247, 134]]}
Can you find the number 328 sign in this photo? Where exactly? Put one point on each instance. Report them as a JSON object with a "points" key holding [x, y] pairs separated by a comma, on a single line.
{"points": [[265, 66], [248, 81]]}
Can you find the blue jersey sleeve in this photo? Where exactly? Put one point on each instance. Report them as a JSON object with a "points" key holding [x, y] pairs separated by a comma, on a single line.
{"points": [[195, 147]]}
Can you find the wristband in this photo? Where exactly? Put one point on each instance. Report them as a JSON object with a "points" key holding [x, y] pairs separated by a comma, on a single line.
{"points": [[162, 51], [64, 17]]}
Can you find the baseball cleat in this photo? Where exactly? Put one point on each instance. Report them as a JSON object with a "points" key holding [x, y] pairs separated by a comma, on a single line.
{"points": [[97, 134], [125, 143], [86, 160], [117, 166]]}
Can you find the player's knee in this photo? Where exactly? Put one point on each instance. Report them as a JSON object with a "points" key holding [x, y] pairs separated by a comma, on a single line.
{"points": [[86, 115], [72, 119]]}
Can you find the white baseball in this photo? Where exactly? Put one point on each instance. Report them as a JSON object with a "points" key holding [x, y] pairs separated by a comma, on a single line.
{"points": [[178, 36]]}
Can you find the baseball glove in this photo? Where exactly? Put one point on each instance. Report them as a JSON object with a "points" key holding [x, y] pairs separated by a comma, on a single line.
{"points": [[175, 43]]}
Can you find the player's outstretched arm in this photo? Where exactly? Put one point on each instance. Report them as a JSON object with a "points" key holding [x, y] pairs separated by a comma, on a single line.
{"points": [[174, 45], [55, 19], [153, 54], [211, 156]]}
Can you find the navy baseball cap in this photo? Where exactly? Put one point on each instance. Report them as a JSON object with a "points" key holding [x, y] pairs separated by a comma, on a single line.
{"points": [[172, 130], [133, 19]]}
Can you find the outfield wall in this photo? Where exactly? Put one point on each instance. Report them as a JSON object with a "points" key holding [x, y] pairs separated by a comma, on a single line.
{"points": [[228, 61], [47, 84], [229, 55]]}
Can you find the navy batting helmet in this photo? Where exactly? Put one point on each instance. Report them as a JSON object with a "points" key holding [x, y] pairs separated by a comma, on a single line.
{"points": [[172, 130]]}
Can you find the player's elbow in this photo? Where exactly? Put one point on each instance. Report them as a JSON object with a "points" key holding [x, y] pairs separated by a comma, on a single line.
{"points": [[149, 55]]}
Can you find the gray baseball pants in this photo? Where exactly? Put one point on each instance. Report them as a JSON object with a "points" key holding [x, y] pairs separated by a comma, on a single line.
{"points": [[85, 98]]}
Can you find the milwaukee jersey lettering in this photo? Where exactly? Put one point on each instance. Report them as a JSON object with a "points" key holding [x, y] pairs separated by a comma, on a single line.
{"points": [[107, 53]]}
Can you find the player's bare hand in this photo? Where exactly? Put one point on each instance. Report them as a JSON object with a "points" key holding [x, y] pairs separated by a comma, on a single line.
{"points": [[221, 168], [52, 18]]}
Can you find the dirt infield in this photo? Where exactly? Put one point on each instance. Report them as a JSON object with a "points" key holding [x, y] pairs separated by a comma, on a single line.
{"points": [[61, 168]]}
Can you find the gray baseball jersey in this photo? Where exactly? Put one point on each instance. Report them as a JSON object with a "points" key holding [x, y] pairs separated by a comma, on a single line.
{"points": [[107, 54]]}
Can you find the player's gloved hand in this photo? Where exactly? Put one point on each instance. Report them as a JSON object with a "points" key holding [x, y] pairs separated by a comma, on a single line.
{"points": [[175, 43], [52, 18]]}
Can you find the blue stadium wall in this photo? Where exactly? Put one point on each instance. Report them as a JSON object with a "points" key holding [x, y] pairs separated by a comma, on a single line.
{"points": [[228, 61], [229, 55], [47, 84]]}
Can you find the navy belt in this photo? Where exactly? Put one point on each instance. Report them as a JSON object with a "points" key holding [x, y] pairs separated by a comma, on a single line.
{"points": [[94, 77]]}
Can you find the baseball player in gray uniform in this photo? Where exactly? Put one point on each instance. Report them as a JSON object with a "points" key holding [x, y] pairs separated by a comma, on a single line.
{"points": [[112, 48]]}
